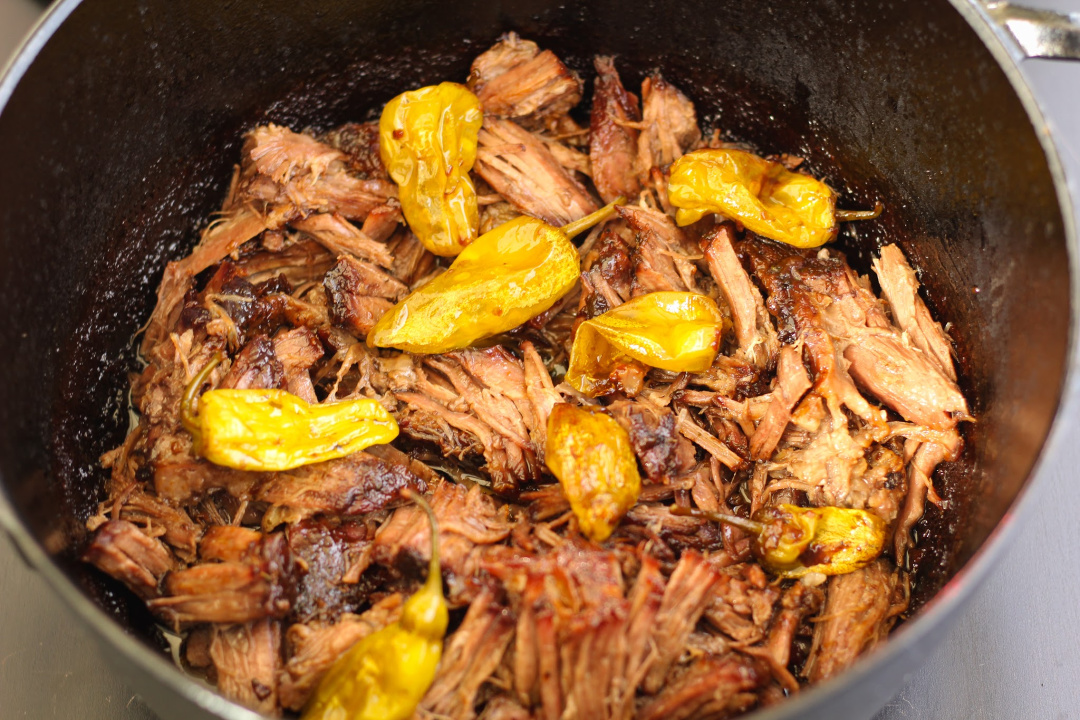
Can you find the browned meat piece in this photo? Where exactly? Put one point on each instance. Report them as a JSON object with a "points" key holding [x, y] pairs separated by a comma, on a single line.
{"points": [[412, 261], [126, 553], [832, 464], [924, 460], [664, 257], [298, 350], [255, 367], [669, 124], [644, 602], [799, 602], [679, 531], [360, 144], [503, 379], [541, 393], [742, 604], [246, 661], [285, 175], [791, 384], [382, 222], [335, 553], [157, 519], [612, 260], [823, 293], [313, 647], [218, 241], [710, 687], [901, 290], [359, 294], [494, 418], [689, 428], [293, 175], [457, 435], [228, 543], [300, 261], [502, 707], [258, 586], [860, 609], [754, 330], [353, 485], [471, 655], [342, 238], [515, 80], [179, 479], [904, 379], [521, 168], [688, 593], [652, 435], [613, 136], [467, 518], [571, 611]]}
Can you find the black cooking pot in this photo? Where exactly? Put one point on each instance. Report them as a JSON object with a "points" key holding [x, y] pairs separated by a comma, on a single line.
{"points": [[120, 122]]}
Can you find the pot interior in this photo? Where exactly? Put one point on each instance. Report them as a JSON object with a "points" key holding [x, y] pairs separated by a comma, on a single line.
{"points": [[121, 136]]}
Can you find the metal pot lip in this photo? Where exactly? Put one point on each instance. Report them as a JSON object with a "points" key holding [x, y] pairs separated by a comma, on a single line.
{"points": [[948, 600]]}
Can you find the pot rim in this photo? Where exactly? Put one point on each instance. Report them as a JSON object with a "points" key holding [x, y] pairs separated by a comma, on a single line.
{"points": [[957, 591]]}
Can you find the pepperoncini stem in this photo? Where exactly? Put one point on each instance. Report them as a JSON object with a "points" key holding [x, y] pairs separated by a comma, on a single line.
{"points": [[742, 523], [592, 219], [188, 417], [850, 215]]}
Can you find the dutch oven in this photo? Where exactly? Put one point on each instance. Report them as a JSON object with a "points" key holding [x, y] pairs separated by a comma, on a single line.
{"points": [[120, 122]]}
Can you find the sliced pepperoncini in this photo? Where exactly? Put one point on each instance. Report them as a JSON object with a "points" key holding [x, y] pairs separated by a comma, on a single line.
{"points": [[273, 430], [677, 331], [385, 675], [764, 196], [505, 278], [793, 541], [427, 141], [590, 454]]}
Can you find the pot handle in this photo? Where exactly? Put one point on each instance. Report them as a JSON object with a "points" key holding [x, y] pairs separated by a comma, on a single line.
{"points": [[1032, 33]]}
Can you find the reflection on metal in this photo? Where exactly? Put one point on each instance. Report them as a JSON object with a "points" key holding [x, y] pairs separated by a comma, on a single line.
{"points": [[1038, 33]]}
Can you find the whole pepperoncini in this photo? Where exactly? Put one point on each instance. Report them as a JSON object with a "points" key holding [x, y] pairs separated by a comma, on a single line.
{"points": [[427, 141], [764, 196], [678, 331], [387, 674], [503, 279], [793, 541], [590, 454], [273, 430]]}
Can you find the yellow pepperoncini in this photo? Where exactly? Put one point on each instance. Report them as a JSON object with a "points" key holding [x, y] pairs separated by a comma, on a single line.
{"points": [[505, 278], [793, 541], [273, 430], [387, 674], [590, 454], [764, 196], [677, 331], [427, 141]]}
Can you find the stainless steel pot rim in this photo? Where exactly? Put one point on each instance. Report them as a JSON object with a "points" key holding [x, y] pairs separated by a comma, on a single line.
{"points": [[947, 601]]}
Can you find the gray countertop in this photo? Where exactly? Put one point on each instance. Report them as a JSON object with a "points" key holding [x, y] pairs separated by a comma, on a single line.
{"points": [[1013, 654]]}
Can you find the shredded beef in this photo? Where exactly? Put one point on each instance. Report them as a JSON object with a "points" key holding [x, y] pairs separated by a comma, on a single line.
{"points": [[821, 395]]}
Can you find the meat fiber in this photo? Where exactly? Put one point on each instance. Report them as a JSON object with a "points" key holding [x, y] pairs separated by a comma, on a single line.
{"points": [[521, 168], [613, 135], [516, 80]]}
